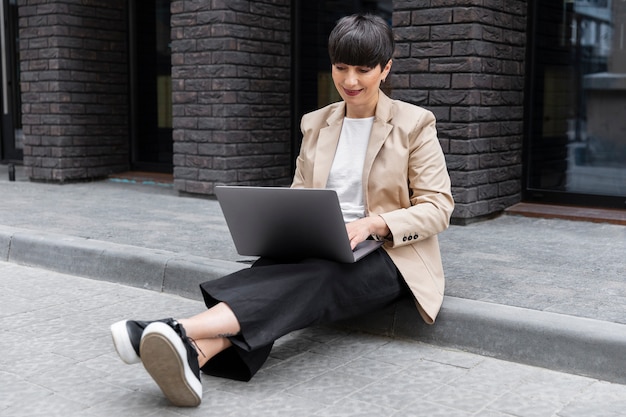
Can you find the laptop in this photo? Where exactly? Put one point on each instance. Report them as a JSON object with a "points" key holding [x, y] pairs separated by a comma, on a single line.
{"points": [[288, 223]]}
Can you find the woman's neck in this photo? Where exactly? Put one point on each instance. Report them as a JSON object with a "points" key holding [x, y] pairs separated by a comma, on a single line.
{"points": [[361, 111], [353, 113]]}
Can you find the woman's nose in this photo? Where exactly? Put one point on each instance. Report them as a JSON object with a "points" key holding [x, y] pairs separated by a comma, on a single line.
{"points": [[351, 78]]}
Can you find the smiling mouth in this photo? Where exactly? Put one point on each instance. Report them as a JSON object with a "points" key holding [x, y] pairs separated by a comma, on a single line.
{"points": [[351, 92]]}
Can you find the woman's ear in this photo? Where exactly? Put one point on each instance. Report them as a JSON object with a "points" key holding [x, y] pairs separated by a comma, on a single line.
{"points": [[386, 70]]}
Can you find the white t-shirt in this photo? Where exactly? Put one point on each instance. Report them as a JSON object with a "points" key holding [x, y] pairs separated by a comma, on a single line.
{"points": [[346, 173]]}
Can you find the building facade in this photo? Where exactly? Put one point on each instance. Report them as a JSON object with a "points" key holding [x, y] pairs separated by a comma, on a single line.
{"points": [[212, 91]]}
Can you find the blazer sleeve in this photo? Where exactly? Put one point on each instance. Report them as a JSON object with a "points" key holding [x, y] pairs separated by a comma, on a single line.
{"points": [[299, 177], [429, 188]]}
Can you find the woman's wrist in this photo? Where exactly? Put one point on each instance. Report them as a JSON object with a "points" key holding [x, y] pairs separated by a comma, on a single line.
{"points": [[380, 228]]}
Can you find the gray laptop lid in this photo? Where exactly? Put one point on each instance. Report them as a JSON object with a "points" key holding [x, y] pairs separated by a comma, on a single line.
{"points": [[280, 222]]}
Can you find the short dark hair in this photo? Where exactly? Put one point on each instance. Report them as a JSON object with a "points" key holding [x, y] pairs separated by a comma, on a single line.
{"points": [[363, 40]]}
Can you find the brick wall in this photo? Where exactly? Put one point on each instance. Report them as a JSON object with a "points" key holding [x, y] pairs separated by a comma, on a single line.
{"points": [[74, 85], [231, 83], [464, 60], [231, 93]]}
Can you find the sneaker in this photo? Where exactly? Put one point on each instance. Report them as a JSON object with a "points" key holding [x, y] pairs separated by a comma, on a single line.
{"points": [[127, 336], [171, 360]]}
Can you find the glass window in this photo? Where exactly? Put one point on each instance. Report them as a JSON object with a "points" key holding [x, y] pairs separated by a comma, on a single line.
{"points": [[152, 142], [12, 140], [577, 135]]}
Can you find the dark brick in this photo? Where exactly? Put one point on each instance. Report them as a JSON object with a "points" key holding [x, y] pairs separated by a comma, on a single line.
{"points": [[463, 162], [401, 18], [456, 64], [487, 192], [76, 90], [462, 31], [412, 34], [470, 146], [186, 173], [241, 43], [431, 17], [454, 97], [474, 48], [465, 195], [499, 204], [410, 65], [463, 131], [463, 212], [508, 188], [410, 4], [431, 49], [469, 178]]}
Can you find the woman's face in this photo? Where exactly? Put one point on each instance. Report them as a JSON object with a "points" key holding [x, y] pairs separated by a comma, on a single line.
{"points": [[358, 87]]}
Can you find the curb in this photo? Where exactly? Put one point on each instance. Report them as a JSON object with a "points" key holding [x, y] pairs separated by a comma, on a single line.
{"points": [[150, 269], [554, 341], [574, 345]]}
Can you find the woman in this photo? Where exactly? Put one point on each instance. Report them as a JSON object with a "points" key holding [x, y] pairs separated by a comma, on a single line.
{"points": [[383, 158]]}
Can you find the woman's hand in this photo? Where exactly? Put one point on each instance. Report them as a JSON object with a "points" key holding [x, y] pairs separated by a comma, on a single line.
{"points": [[360, 230]]}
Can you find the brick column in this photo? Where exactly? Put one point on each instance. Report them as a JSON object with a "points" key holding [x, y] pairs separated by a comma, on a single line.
{"points": [[74, 82], [464, 60], [231, 93]]}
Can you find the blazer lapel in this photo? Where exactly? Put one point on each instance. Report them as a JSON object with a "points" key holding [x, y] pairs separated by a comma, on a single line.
{"points": [[329, 138], [380, 131], [326, 147]]}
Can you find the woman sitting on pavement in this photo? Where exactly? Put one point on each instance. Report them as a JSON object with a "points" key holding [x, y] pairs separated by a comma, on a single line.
{"points": [[383, 158]]}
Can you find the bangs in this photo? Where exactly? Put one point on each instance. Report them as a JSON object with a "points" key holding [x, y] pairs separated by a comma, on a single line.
{"points": [[361, 41], [353, 49]]}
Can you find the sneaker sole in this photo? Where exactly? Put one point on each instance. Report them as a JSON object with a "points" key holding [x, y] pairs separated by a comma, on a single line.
{"points": [[121, 341], [164, 357]]}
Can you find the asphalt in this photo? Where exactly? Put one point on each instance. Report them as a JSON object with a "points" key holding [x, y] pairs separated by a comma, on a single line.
{"points": [[527, 299]]}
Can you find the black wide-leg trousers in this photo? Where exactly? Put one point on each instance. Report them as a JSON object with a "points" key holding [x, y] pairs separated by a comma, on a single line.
{"points": [[273, 298]]}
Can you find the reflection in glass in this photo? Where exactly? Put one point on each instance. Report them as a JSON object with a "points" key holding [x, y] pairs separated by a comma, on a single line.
{"points": [[578, 135], [152, 109]]}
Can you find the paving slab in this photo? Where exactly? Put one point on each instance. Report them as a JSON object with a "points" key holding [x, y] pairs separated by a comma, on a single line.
{"points": [[58, 360]]}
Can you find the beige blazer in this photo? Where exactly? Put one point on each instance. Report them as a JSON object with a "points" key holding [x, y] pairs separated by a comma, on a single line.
{"points": [[405, 180]]}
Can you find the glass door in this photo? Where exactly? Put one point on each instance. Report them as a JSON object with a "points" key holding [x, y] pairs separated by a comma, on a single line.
{"points": [[151, 86], [576, 149], [12, 134]]}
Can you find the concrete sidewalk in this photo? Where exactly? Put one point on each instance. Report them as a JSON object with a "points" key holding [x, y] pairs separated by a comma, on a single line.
{"points": [[58, 361], [543, 292]]}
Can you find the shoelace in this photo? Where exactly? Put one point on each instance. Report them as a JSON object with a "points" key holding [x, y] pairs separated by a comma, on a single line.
{"points": [[196, 347], [183, 334]]}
